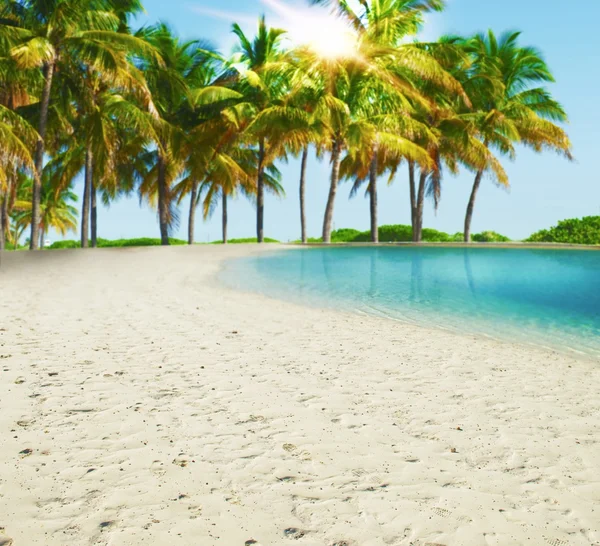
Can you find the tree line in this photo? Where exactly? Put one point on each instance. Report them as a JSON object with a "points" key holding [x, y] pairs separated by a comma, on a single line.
{"points": [[143, 111]]}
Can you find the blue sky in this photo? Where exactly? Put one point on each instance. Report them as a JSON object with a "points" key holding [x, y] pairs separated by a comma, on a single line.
{"points": [[544, 188]]}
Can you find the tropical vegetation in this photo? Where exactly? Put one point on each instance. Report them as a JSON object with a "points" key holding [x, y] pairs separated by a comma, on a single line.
{"points": [[141, 111], [581, 231]]}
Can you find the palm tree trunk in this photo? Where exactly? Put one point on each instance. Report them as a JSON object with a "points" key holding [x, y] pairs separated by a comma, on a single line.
{"points": [[224, 218], [85, 206], [373, 196], [42, 237], [4, 228], [260, 194], [162, 201], [192, 216], [18, 234], [336, 156], [39, 157], [3, 200], [303, 195], [94, 215], [418, 232], [413, 197], [471, 206]]}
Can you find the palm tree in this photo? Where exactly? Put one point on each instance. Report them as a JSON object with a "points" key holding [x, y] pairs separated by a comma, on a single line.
{"points": [[381, 28], [263, 82], [57, 211], [388, 135], [510, 106], [178, 83], [113, 126], [306, 130], [348, 107], [17, 137], [213, 128], [47, 34], [17, 89], [453, 138], [229, 173]]}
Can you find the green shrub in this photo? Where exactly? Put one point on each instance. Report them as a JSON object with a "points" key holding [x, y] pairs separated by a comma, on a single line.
{"points": [[435, 236], [344, 235], [584, 231], [489, 237], [403, 234], [58, 245]]}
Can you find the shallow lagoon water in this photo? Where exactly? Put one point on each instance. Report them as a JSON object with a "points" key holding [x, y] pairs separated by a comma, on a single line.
{"points": [[540, 296]]}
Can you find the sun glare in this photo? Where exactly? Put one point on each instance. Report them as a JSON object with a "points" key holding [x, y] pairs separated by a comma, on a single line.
{"points": [[326, 34], [332, 41]]}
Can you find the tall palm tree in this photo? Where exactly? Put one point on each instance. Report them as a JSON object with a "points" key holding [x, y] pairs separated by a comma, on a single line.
{"points": [[381, 28], [300, 133], [17, 89], [510, 105], [454, 138], [263, 81], [179, 82], [213, 128], [17, 137], [112, 124], [348, 103], [389, 134], [48, 34]]}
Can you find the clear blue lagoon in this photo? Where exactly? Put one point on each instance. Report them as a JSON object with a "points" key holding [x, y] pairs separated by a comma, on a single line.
{"points": [[544, 297]]}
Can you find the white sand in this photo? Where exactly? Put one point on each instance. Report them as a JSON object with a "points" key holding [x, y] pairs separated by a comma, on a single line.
{"points": [[163, 409]]}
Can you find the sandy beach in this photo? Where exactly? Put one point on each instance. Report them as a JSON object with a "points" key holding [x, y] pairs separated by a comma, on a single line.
{"points": [[142, 403]]}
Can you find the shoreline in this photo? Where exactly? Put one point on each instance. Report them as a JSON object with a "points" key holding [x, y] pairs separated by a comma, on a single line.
{"points": [[425, 244], [162, 408], [430, 329]]}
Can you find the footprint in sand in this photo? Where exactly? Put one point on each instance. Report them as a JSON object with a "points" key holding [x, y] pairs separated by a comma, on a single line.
{"points": [[233, 499], [158, 468], [24, 423], [4, 540], [294, 534], [557, 542], [179, 461], [443, 513], [195, 511]]}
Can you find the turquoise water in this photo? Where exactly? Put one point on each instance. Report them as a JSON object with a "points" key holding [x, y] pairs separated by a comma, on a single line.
{"points": [[543, 297]]}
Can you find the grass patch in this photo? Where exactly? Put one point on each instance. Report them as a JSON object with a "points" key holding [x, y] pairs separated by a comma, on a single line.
{"points": [[244, 241], [117, 243]]}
